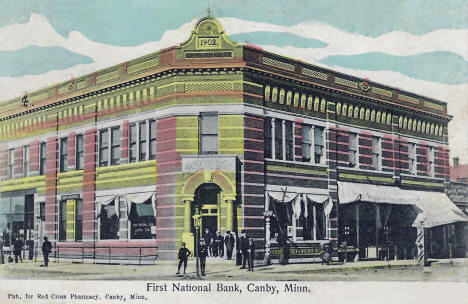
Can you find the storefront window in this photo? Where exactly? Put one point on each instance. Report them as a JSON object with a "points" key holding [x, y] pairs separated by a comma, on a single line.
{"points": [[16, 218], [142, 220], [108, 222]]}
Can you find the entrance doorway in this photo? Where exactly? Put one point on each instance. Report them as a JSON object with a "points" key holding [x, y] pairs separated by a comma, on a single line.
{"points": [[207, 199]]}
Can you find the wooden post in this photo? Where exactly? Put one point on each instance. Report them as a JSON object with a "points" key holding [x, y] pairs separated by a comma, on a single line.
{"points": [[377, 219], [357, 229]]}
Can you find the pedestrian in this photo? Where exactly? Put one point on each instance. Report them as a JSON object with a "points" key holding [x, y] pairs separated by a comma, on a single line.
{"points": [[208, 236], [202, 253], [244, 244], [18, 247], [183, 255], [220, 244], [229, 241], [238, 251], [46, 250], [251, 253]]}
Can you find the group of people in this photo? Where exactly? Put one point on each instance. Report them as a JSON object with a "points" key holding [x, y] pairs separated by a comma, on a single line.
{"points": [[217, 243], [214, 246], [18, 246]]}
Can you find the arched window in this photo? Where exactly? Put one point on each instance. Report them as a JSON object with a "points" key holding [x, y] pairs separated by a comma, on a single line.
{"points": [[310, 102], [356, 112], [296, 99], [350, 111], [372, 116], [289, 98], [344, 110], [338, 108], [303, 101], [405, 123], [316, 104], [323, 105], [281, 96]]}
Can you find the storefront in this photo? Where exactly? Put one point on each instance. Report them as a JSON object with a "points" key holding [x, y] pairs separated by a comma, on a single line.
{"points": [[380, 221]]}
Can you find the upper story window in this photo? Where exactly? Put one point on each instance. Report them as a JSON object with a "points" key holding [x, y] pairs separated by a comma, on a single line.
{"points": [[353, 150], [208, 133], [142, 134], [318, 145], [267, 141], [376, 153], [142, 141], [306, 143], [289, 140], [430, 160], [278, 125], [103, 147], [109, 146], [412, 158], [11, 163], [115, 146], [152, 139], [25, 161], [79, 152], [63, 154], [42, 158]]}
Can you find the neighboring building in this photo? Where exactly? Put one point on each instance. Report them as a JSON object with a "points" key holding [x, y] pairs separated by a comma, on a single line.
{"points": [[457, 189], [459, 173], [118, 162]]}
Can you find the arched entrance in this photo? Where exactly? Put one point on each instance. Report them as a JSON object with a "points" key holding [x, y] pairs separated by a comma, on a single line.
{"points": [[207, 198]]}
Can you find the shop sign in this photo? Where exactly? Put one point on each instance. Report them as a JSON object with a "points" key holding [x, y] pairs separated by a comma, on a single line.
{"points": [[223, 163]]}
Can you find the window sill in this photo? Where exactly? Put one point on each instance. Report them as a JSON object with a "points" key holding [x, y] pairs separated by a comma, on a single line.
{"points": [[310, 164]]}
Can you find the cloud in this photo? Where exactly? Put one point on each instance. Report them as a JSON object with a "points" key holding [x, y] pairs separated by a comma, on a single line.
{"points": [[277, 38], [343, 43], [443, 67], [38, 32]]}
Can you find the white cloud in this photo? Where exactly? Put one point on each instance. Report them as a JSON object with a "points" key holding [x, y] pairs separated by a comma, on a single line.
{"points": [[344, 43], [38, 31]]}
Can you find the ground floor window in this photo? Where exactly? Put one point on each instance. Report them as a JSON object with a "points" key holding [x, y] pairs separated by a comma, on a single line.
{"points": [[142, 220], [70, 220], [109, 222], [16, 218]]}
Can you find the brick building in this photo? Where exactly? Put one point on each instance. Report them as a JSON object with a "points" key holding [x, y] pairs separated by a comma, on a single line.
{"points": [[118, 162]]}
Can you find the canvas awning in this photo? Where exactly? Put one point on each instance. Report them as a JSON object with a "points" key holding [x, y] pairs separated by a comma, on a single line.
{"points": [[435, 208], [352, 192], [140, 198], [438, 210], [106, 200]]}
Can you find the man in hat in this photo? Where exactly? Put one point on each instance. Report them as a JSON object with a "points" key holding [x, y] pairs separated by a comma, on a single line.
{"points": [[244, 245], [18, 247], [208, 236], [46, 250], [183, 255], [229, 241], [202, 253], [220, 243], [251, 253]]}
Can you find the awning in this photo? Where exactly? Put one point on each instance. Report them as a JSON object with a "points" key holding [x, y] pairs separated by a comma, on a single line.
{"points": [[438, 210], [352, 192], [435, 207], [106, 200], [140, 198]]}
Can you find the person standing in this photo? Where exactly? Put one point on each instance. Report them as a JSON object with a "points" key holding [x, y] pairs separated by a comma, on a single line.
{"points": [[202, 253], [243, 247], [46, 250], [208, 236], [183, 255], [220, 244], [229, 241], [251, 253], [18, 247]]}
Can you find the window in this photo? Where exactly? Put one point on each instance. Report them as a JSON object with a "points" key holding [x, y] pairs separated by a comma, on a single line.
{"points": [[42, 211], [11, 163], [104, 148], [430, 159], [267, 138], [278, 139], [63, 154], [115, 146], [133, 144], [79, 152], [42, 158], [108, 222], [318, 145], [208, 133], [70, 220], [142, 136], [353, 150], [25, 161], [142, 218], [306, 143], [376, 153], [412, 158], [289, 145], [152, 139]]}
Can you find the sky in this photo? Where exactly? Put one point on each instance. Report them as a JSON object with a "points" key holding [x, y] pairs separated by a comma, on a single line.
{"points": [[419, 46]]}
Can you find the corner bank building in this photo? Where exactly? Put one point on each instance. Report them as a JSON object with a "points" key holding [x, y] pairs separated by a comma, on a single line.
{"points": [[115, 164]]}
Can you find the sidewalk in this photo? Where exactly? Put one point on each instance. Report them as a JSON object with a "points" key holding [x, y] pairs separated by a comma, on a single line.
{"points": [[218, 269]]}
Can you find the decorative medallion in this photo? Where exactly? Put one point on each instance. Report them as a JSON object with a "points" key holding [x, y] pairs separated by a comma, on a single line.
{"points": [[364, 85], [25, 100]]}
